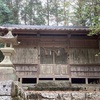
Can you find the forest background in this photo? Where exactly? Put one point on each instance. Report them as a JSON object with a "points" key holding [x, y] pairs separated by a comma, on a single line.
{"points": [[51, 12]]}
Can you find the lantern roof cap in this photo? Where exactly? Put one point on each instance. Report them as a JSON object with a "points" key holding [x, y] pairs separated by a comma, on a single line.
{"points": [[9, 38]]}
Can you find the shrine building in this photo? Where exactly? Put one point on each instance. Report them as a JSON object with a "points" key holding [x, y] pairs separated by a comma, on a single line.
{"points": [[55, 53]]}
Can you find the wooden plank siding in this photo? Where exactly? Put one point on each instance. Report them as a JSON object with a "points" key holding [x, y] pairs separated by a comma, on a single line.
{"points": [[25, 56], [85, 71], [84, 56], [53, 41], [84, 43], [27, 70], [53, 70]]}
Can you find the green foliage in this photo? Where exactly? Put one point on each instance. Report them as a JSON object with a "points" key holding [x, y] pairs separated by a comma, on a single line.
{"points": [[52, 12], [4, 13], [54, 86], [95, 30], [88, 14], [32, 13]]}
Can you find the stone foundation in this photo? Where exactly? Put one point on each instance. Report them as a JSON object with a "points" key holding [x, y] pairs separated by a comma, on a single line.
{"points": [[9, 90], [49, 95]]}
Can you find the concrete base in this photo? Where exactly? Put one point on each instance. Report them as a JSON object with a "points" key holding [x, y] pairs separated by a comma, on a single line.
{"points": [[7, 73]]}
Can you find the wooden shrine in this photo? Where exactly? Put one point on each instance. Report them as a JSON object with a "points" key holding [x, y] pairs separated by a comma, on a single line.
{"points": [[55, 53]]}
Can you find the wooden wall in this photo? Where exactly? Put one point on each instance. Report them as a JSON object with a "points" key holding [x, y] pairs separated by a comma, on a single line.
{"points": [[84, 56], [25, 55], [26, 70], [76, 56], [85, 71], [83, 43], [53, 70]]}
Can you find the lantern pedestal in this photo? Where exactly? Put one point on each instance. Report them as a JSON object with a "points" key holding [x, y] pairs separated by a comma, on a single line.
{"points": [[7, 52], [7, 72]]}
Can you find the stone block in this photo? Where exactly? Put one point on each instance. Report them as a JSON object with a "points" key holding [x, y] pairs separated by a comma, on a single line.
{"points": [[11, 98], [17, 98], [21, 93], [93, 96], [6, 98], [72, 95], [64, 96], [49, 95], [78, 96], [8, 88]]}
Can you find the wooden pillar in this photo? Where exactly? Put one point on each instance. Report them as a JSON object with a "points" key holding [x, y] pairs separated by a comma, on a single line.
{"points": [[54, 66], [68, 54], [37, 80], [54, 79], [20, 81], [86, 80], [69, 72], [38, 47]]}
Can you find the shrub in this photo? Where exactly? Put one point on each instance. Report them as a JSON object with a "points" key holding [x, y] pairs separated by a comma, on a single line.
{"points": [[54, 86]]}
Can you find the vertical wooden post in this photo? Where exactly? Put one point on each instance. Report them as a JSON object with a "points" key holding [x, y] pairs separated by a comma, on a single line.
{"points": [[21, 80], [38, 47], [86, 80], [54, 66], [37, 79], [69, 67]]}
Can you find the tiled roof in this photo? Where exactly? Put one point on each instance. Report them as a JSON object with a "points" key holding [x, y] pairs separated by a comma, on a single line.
{"points": [[42, 27]]}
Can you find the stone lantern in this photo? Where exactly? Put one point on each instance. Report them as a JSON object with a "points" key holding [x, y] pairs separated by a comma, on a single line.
{"points": [[7, 71]]}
